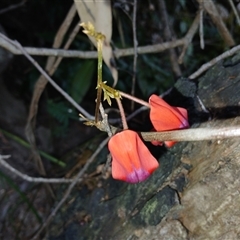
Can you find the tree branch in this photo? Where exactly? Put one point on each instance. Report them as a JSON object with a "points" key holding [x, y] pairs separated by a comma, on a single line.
{"points": [[197, 134], [90, 54], [32, 179], [71, 186], [211, 9], [40, 69], [209, 64]]}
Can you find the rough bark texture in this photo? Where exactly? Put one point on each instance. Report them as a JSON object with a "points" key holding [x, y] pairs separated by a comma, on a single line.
{"points": [[203, 201]]}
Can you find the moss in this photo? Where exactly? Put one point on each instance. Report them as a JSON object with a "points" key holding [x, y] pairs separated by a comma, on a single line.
{"points": [[156, 208]]}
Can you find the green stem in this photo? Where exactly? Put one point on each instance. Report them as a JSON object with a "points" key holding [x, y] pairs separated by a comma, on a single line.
{"points": [[99, 80], [25, 144], [99, 46]]}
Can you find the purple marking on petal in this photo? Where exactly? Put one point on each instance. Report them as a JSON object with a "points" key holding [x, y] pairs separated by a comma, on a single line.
{"points": [[137, 176], [184, 124]]}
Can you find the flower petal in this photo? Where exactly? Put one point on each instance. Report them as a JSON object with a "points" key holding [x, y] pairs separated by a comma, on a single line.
{"points": [[165, 117], [131, 160]]}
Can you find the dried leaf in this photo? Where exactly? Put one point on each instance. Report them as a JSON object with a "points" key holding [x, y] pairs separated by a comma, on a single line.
{"points": [[99, 13]]}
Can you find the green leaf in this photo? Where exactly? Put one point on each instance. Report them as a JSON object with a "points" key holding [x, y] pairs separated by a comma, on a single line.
{"points": [[82, 80]]}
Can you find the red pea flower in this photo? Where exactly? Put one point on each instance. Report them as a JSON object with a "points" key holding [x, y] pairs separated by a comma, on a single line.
{"points": [[165, 117], [131, 160]]}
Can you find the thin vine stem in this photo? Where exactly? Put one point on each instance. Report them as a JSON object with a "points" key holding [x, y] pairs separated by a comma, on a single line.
{"points": [[135, 99], [99, 80], [121, 110]]}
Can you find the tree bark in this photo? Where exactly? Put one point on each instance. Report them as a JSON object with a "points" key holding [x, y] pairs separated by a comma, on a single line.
{"points": [[202, 198]]}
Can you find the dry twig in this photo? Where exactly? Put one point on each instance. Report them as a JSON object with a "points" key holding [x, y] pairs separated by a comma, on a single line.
{"points": [[40, 86], [198, 134], [155, 48], [235, 11], [71, 186], [209, 64], [32, 179], [211, 9], [189, 36], [12, 7], [40, 69], [201, 32]]}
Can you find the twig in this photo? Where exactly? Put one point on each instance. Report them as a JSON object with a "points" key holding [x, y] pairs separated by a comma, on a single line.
{"points": [[64, 26], [211, 9], [209, 64], [155, 48], [189, 36], [136, 112], [235, 11], [39, 88], [32, 179], [51, 81], [50, 68], [66, 46], [201, 32], [135, 44], [189, 135], [198, 134], [12, 7], [71, 186]]}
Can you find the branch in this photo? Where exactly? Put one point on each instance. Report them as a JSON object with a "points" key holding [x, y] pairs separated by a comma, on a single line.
{"points": [[211, 9], [209, 64], [189, 36], [197, 134], [51, 81], [201, 32], [235, 11], [12, 7], [192, 134], [180, 135], [71, 186], [32, 179], [89, 54], [40, 86]]}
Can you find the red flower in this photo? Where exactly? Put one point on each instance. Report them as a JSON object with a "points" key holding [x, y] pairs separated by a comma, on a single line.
{"points": [[165, 117], [131, 160]]}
